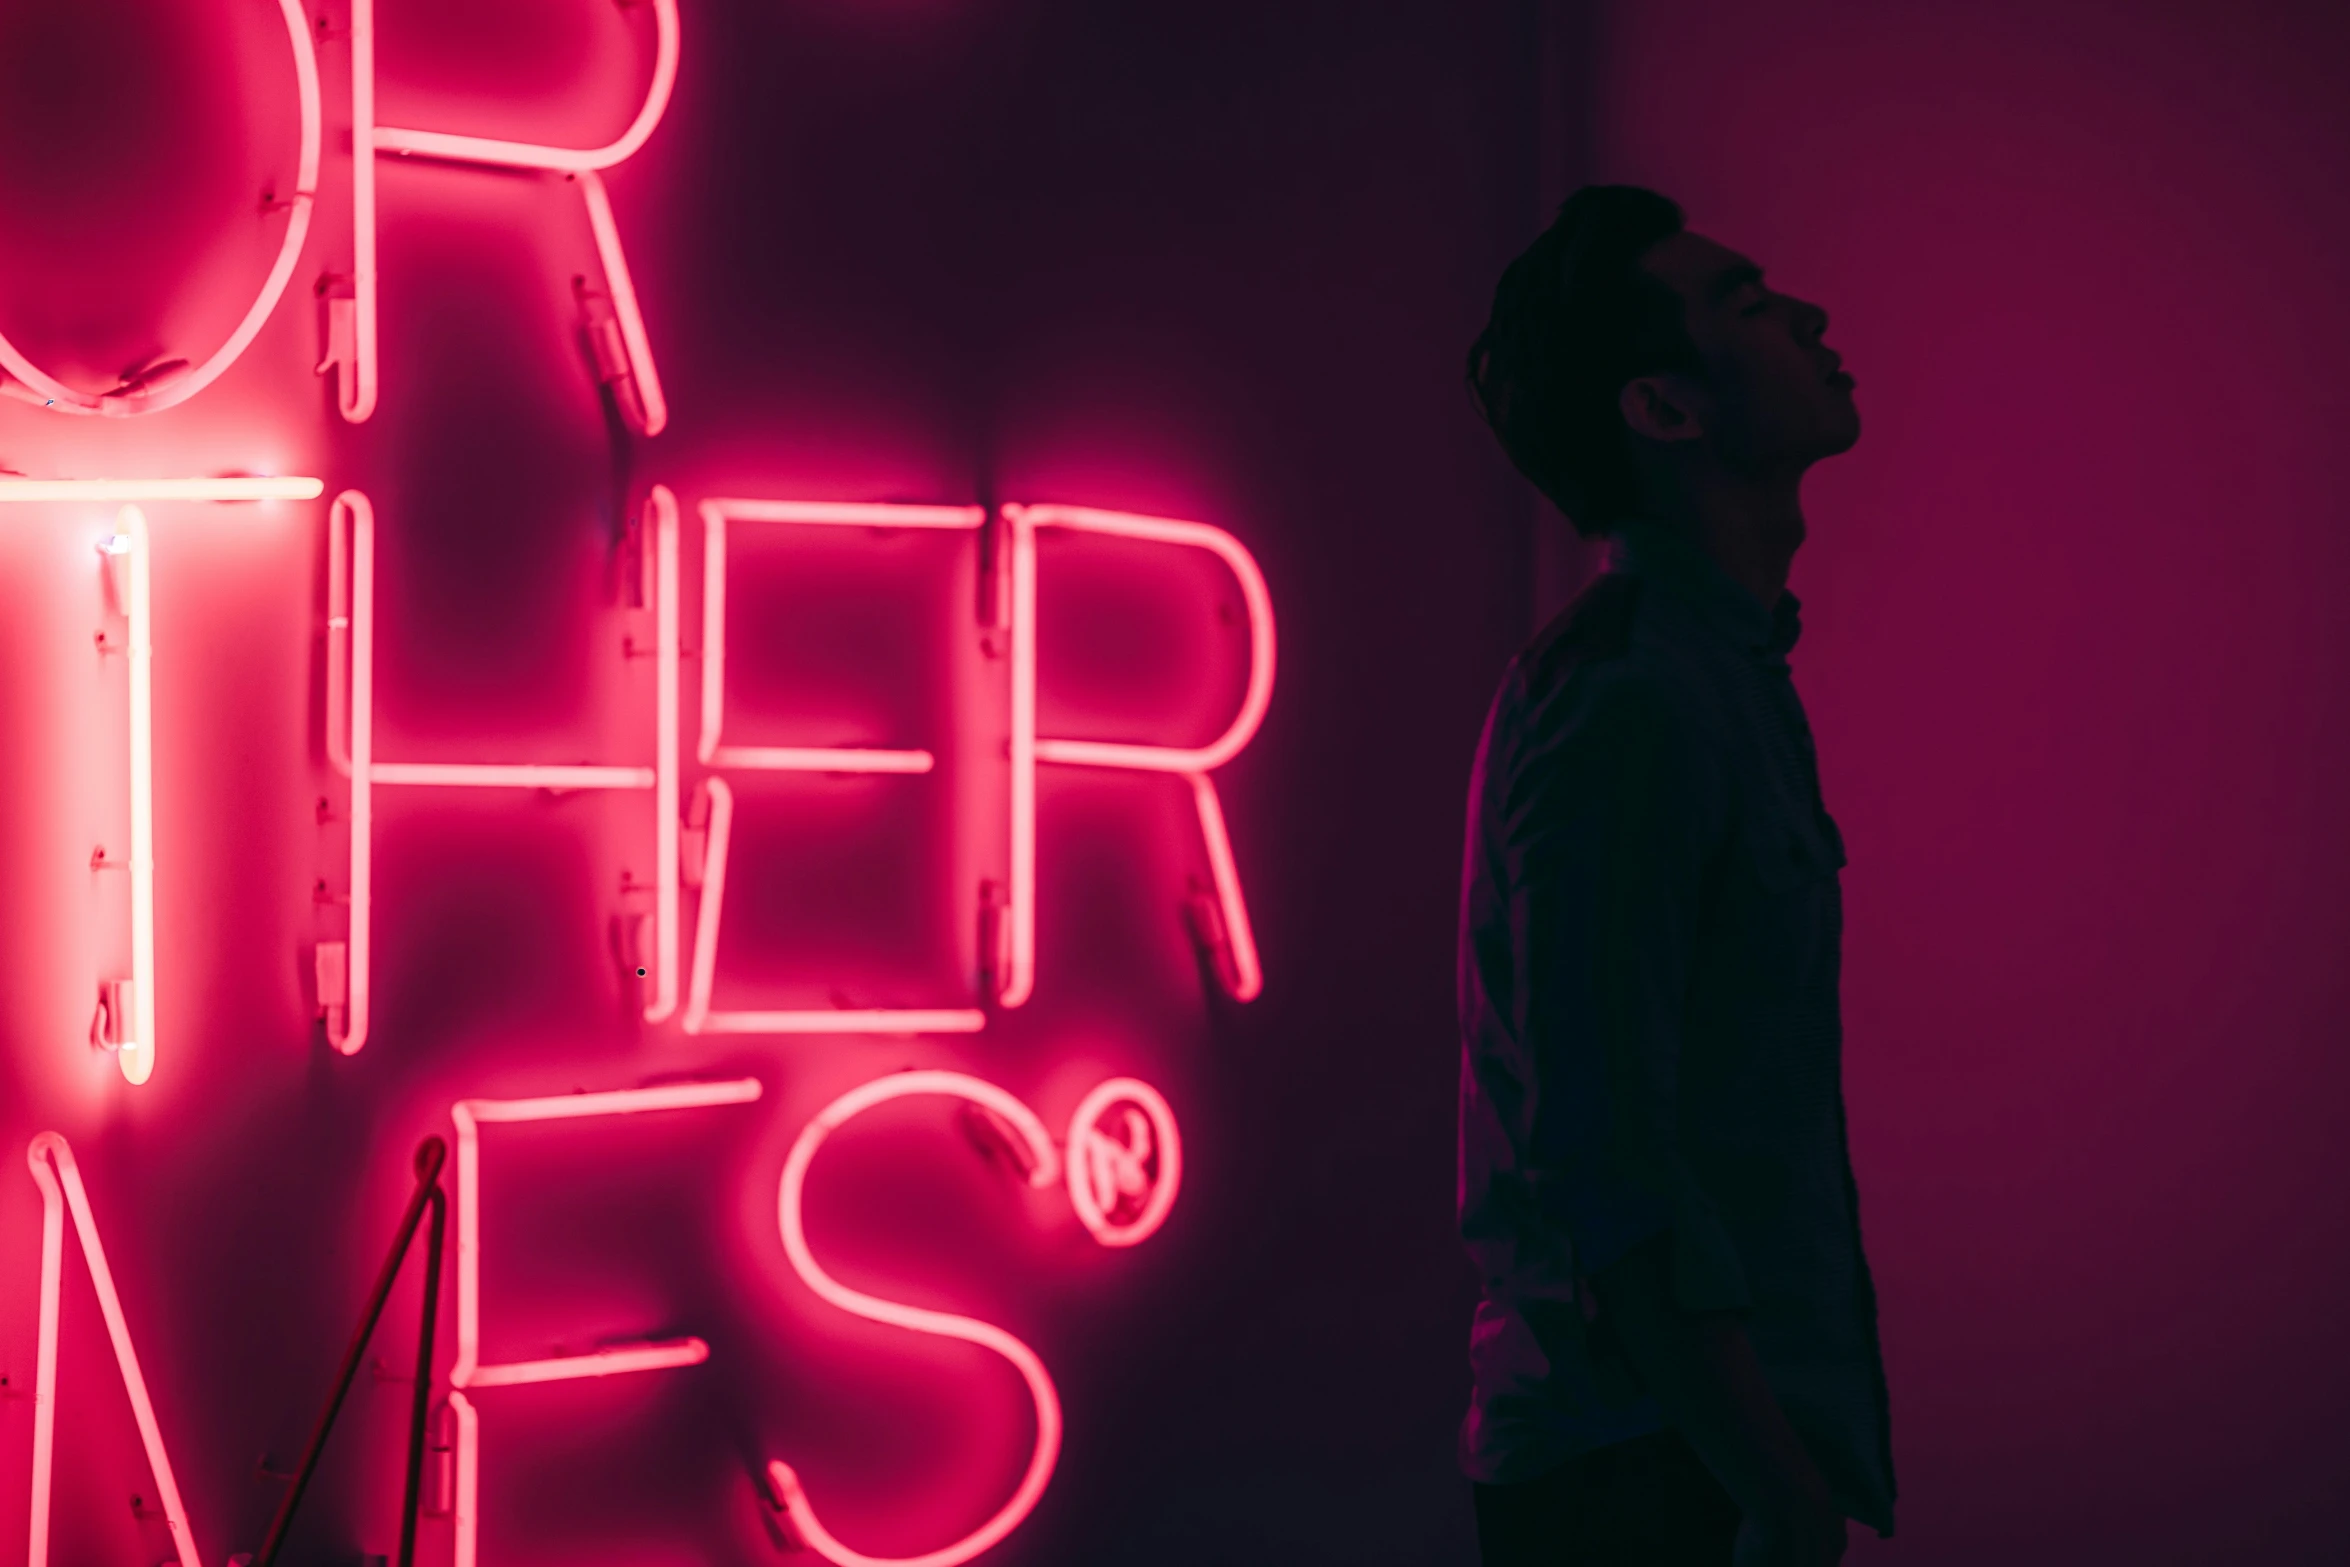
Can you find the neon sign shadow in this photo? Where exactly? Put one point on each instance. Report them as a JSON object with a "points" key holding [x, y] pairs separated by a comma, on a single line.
{"points": [[124, 1020], [1106, 1174], [1220, 919]]}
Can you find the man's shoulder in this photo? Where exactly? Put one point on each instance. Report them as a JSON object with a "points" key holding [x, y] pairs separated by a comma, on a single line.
{"points": [[1606, 670], [1595, 628]]}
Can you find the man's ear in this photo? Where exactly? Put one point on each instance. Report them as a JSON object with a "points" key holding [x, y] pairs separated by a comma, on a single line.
{"points": [[1659, 408]]}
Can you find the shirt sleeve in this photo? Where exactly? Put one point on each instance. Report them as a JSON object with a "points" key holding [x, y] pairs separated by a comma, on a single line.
{"points": [[1611, 816]]}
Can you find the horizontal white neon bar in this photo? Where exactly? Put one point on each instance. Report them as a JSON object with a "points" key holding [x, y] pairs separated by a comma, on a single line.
{"points": [[819, 759], [871, 1020], [618, 1101], [847, 514], [244, 488], [473, 775], [603, 1363]]}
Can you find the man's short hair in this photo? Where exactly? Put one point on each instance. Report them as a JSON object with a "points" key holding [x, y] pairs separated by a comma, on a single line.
{"points": [[1574, 318]]}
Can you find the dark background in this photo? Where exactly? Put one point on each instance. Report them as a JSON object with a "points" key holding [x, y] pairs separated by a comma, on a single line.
{"points": [[2071, 654]]}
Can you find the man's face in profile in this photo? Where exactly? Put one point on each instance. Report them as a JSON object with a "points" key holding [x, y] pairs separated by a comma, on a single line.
{"points": [[1776, 399]]}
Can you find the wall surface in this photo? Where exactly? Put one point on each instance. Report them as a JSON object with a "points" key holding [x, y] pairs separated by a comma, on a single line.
{"points": [[1207, 261], [2074, 652]]}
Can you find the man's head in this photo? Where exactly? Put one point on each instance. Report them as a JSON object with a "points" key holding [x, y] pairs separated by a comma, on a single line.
{"points": [[1626, 354]]}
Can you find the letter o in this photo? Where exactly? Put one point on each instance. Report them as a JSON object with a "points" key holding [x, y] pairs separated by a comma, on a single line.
{"points": [[23, 379]]}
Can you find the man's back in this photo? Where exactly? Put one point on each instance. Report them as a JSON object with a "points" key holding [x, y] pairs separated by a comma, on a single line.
{"points": [[1650, 934]]}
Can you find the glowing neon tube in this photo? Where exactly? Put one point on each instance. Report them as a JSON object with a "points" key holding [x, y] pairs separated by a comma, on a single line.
{"points": [[1019, 970], [351, 543], [137, 1055], [845, 514], [819, 759], [468, 1116], [529, 775], [1043, 1171], [353, 347], [667, 764], [352, 322], [1244, 978], [1103, 1168], [32, 384], [14, 488], [603, 1363], [653, 404], [61, 1190]]}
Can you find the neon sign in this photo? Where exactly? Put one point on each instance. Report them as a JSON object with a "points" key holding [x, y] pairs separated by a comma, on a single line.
{"points": [[60, 1181], [616, 330], [124, 1020], [1119, 1157], [1225, 931]]}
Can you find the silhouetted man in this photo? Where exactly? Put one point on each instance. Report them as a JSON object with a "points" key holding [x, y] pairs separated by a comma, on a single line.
{"points": [[1675, 1359]]}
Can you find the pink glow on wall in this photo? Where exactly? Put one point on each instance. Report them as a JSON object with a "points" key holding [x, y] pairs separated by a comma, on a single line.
{"points": [[623, 350], [1043, 1168], [168, 383], [1235, 942], [468, 1116], [60, 1182]]}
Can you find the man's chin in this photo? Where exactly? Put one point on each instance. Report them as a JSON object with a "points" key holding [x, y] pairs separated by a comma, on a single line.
{"points": [[1844, 433]]}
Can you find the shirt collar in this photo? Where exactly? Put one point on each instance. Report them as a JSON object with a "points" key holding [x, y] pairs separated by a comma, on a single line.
{"points": [[1658, 553]]}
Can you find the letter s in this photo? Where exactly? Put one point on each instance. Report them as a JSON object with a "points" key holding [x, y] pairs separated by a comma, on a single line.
{"points": [[1043, 1172]]}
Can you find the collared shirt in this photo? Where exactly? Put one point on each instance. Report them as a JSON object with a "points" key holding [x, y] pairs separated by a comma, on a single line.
{"points": [[1651, 930]]}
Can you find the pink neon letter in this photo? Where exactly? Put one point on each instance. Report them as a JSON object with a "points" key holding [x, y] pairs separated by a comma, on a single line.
{"points": [[1237, 959], [1044, 1169], [350, 722], [351, 345], [135, 1032], [46, 1150], [140, 394], [718, 797], [468, 1371]]}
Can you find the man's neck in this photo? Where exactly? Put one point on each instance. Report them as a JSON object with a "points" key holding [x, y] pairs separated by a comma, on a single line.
{"points": [[1750, 530]]}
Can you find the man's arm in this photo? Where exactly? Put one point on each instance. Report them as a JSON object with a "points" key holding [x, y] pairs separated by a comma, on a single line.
{"points": [[1613, 831]]}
